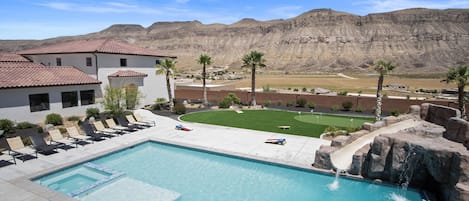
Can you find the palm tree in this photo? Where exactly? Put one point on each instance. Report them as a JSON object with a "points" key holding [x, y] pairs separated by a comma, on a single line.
{"points": [[167, 67], [382, 67], [204, 60], [253, 60], [459, 75]]}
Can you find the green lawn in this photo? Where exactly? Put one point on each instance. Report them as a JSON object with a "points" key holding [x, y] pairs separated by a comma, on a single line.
{"points": [[269, 120]]}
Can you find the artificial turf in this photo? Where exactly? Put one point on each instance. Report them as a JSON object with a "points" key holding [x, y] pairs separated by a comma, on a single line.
{"points": [[269, 120]]}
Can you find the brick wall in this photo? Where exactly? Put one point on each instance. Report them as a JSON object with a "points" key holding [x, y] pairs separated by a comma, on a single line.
{"points": [[365, 103]]}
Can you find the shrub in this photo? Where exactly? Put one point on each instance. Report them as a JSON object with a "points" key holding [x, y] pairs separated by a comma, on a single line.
{"points": [[385, 95], [132, 96], [353, 129], [229, 100], [114, 100], [179, 108], [312, 91], [92, 112], [73, 118], [6, 125], [40, 129], [54, 119], [267, 103], [358, 109], [289, 103], [395, 113], [342, 93], [295, 90], [301, 102], [304, 89], [24, 125], [279, 103], [289, 88], [335, 108], [347, 105], [225, 103], [311, 105]]}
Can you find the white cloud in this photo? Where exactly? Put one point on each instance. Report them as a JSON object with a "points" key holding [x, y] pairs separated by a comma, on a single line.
{"points": [[285, 11], [391, 5]]}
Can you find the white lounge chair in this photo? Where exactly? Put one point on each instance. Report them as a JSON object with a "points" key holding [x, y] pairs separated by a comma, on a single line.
{"points": [[58, 139], [18, 150]]}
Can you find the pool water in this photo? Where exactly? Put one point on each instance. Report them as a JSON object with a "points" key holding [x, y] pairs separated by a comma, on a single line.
{"points": [[185, 174]]}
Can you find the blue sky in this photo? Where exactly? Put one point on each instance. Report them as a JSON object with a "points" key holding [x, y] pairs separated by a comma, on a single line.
{"points": [[40, 19]]}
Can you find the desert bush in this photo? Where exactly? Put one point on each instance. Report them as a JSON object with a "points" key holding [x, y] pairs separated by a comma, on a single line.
{"points": [[358, 109], [132, 97], [311, 105], [395, 113], [114, 100], [289, 103], [295, 90], [92, 112], [54, 119], [335, 108], [179, 108], [347, 105], [304, 89], [225, 103], [301, 102], [267, 103], [342, 93], [6, 125]]}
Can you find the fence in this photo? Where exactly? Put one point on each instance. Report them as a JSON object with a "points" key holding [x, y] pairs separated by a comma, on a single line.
{"points": [[364, 103]]}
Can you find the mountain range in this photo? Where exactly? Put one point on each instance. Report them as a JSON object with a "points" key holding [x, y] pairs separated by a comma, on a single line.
{"points": [[322, 40]]}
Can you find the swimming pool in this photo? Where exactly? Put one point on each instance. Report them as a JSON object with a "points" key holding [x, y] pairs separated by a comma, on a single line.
{"points": [[155, 171]]}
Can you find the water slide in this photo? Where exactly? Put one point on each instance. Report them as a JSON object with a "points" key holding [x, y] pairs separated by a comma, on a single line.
{"points": [[342, 158]]}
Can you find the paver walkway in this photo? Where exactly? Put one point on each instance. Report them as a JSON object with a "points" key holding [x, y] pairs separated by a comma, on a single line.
{"points": [[342, 158]]}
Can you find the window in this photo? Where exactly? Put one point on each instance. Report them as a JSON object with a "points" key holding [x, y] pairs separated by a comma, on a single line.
{"points": [[58, 61], [89, 61], [39, 102], [157, 62], [123, 62], [87, 97], [69, 99]]}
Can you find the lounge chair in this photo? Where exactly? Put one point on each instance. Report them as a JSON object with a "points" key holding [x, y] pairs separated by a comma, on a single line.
{"points": [[100, 128], [94, 135], [140, 119], [18, 150], [132, 120], [58, 140], [124, 122], [40, 145], [112, 125], [280, 141], [75, 134]]}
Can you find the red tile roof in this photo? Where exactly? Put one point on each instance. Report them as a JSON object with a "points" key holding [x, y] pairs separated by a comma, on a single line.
{"points": [[127, 73], [91, 46], [41, 76], [4, 64], [10, 57]]}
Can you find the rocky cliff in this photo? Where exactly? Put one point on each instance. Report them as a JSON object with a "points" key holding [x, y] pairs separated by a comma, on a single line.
{"points": [[417, 40]]}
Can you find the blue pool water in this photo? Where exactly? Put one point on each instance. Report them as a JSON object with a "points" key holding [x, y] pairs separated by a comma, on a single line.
{"points": [[188, 174]]}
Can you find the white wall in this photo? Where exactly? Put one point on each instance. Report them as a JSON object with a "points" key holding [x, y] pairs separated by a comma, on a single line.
{"points": [[14, 104], [78, 60], [154, 86]]}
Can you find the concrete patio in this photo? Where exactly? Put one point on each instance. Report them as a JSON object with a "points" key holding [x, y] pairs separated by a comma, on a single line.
{"points": [[15, 183]]}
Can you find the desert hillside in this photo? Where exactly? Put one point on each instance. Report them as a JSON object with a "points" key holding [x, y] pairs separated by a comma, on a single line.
{"points": [[323, 40]]}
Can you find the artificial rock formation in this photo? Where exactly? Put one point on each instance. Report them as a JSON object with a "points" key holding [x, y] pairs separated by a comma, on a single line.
{"points": [[432, 163]]}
